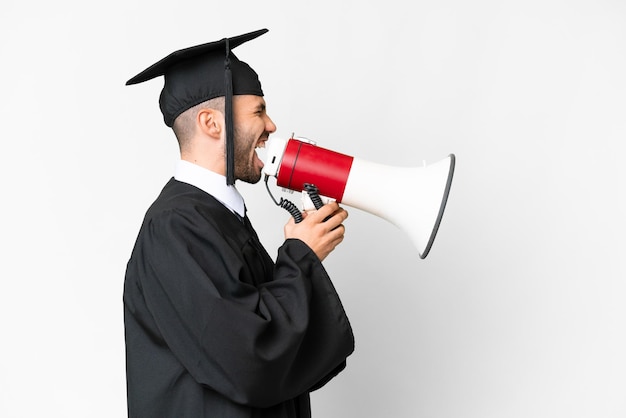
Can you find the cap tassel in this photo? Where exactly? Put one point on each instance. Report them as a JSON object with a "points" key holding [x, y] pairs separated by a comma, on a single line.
{"points": [[230, 142]]}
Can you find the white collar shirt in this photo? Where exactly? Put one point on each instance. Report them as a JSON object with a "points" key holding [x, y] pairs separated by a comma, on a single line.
{"points": [[212, 183]]}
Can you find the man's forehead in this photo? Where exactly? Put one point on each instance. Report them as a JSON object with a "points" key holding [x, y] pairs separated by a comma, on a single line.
{"points": [[249, 100]]}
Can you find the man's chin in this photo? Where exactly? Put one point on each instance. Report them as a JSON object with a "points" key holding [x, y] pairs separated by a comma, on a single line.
{"points": [[251, 178], [253, 181]]}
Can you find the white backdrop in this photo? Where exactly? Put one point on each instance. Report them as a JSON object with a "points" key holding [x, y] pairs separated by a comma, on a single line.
{"points": [[519, 310]]}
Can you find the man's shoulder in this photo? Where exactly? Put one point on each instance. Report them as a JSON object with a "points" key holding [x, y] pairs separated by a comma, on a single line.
{"points": [[181, 197], [182, 205]]}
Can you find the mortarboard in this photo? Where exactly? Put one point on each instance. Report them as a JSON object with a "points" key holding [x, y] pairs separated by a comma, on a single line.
{"points": [[203, 72]]}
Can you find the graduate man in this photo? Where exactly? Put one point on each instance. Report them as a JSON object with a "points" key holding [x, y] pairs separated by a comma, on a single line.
{"points": [[214, 327]]}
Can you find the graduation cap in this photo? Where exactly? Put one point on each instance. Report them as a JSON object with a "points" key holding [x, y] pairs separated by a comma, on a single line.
{"points": [[200, 73]]}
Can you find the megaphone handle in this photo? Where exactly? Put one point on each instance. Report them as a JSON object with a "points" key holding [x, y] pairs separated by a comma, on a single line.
{"points": [[314, 195]]}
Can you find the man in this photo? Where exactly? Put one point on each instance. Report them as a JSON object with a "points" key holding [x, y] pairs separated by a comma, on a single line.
{"points": [[213, 327]]}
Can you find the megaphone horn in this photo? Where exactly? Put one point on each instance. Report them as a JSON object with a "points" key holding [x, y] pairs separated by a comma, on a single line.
{"points": [[412, 198]]}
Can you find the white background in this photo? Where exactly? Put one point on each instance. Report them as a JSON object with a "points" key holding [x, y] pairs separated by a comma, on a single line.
{"points": [[519, 310]]}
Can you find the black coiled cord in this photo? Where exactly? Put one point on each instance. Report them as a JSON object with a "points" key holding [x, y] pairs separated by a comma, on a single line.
{"points": [[288, 205]]}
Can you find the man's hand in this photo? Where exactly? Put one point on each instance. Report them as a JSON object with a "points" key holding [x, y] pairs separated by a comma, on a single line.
{"points": [[321, 236]]}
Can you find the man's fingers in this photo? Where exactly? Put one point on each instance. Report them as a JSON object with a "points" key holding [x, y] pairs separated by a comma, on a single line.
{"points": [[323, 212], [336, 219], [330, 212]]}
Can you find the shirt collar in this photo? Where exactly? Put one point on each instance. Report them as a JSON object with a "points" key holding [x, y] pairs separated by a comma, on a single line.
{"points": [[212, 183]]}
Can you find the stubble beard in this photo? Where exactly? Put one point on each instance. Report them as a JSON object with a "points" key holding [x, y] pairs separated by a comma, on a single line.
{"points": [[245, 167]]}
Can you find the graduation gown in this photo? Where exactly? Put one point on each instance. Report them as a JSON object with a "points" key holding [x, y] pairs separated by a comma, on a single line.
{"points": [[215, 328]]}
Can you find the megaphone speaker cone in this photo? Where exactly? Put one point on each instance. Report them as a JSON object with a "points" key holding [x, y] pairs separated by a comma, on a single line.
{"points": [[412, 198]]}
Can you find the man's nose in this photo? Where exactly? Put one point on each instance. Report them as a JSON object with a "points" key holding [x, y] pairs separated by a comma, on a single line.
{"points": [[270, 126]]}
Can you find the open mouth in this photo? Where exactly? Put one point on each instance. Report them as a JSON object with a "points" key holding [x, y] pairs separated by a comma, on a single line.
{"points": [[260, 151], [261, 143]]}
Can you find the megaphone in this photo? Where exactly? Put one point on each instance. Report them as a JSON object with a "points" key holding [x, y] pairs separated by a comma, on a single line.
{"points": [[412, 198]]}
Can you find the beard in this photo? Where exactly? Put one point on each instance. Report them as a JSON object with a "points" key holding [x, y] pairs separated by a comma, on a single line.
{"points": [[245, 157]]}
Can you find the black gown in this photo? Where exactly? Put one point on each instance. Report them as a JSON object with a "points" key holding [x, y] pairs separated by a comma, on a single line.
{"points": [[214, 328]]}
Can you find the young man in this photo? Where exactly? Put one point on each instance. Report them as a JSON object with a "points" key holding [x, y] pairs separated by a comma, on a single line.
{"points": [[215, 328]]}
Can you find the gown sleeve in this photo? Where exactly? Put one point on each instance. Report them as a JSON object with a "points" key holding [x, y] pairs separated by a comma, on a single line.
{"points": [[256, 344]]}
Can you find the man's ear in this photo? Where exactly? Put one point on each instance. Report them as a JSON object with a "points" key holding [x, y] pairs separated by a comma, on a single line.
{"points": [[211, 122]]}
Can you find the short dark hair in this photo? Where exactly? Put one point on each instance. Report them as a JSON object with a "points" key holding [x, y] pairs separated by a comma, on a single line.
{"points": [[185, 124]]}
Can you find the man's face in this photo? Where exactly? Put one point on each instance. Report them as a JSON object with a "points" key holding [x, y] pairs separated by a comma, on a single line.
{"points": [[252, 129]]}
